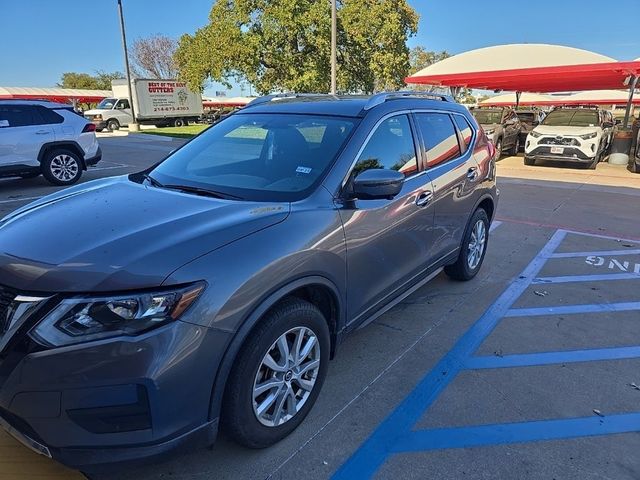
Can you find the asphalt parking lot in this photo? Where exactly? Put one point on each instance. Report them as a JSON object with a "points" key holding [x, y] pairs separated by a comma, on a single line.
{"points": [[529, 371]]}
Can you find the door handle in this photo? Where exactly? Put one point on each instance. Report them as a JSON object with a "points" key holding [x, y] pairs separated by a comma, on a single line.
{"points": [[472, 173], [424, 198], [42, 132]]}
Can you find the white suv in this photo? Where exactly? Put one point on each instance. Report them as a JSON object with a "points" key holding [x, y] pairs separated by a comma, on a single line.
{"points": [[38, 137], [580, 135]]}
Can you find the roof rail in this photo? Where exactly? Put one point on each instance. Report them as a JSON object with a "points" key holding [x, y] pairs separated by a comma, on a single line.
{"points": [[380, 98], [285, 96]]}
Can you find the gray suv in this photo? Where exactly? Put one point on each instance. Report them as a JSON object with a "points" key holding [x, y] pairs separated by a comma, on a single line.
{"points": [[213, 288], [503, 128]]}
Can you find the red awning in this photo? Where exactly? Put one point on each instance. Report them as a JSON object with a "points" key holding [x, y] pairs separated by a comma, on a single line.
{"points": [[610, 75]]}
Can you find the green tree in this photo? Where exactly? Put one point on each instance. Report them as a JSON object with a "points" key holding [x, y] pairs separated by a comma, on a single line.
{"points": [[100, 81], [420, 57], [285, 45]]}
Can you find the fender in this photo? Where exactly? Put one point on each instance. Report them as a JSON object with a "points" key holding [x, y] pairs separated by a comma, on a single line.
{"points": [[70, 144], [251, 320]]}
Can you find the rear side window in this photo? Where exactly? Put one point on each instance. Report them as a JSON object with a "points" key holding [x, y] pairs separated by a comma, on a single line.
{"points": [[49, 116], [466, 132], [439, 136], [391, 146], [18, 116]]}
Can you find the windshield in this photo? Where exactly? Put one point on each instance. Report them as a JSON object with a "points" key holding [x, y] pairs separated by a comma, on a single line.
{"points": [[487, 117], [572, 118], [107, 104], [261, 157]]}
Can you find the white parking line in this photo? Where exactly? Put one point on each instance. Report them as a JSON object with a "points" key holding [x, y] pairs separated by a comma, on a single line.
{"points": [[21, 199]]}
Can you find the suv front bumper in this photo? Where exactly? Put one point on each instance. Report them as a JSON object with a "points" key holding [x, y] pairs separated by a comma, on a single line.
{"points": [[569, 154], [99, 405]]}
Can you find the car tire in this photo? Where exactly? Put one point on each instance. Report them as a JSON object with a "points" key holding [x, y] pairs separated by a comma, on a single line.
{"points": [[62, 167], [529, 161], [516, 147], [113, 125], [178, 122], [596, 160], [498, 149], [241, 416], [473, 249]]}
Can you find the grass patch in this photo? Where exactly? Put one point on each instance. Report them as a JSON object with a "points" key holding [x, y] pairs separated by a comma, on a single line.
{"points": [[178, 132]]}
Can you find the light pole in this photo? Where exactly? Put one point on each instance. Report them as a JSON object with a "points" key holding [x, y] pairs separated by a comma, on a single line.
{"points": [[334, 30], [133, 126]]}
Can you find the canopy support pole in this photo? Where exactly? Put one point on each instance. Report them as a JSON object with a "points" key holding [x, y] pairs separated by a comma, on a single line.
{"points": [[518, 99], [627, 113]]}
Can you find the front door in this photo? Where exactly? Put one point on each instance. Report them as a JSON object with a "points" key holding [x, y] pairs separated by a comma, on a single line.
{"points": [[388, 241]]}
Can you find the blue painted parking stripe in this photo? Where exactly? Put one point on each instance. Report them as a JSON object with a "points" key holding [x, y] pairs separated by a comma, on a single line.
{"points": [[506, 433], [550, 358], [373, 453], [587, 278], [604, 253], [569, 309]]}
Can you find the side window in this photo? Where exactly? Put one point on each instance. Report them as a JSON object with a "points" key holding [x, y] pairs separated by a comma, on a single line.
{"points": [[122, 104], [49, 117], [18, 116], [466, 132], [440, 138], [391, 146]]}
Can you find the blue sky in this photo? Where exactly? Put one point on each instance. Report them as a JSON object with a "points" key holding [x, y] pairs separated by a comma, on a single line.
{"points": [[41, 39]]}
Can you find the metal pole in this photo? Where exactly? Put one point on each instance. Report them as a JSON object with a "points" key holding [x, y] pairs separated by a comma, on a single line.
{"points": [[518, 94], [627, 113], [133, 127], [334, 34]]}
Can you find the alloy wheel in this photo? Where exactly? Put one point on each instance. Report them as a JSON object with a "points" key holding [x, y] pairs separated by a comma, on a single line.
{"points": [[64, 167], [286, 376], [476, 244]]}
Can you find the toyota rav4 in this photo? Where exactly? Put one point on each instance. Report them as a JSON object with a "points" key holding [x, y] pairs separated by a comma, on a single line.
{"points": [[214, 287]]}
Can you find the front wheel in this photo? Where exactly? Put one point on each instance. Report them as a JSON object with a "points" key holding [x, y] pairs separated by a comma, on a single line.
{"points": [[529, 161], [516, 147], [474, 246], [277, 376], [113, 125]]}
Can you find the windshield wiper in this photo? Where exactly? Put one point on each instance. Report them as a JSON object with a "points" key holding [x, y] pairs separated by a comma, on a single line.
{"points": [[203, 191], [152, 180]]}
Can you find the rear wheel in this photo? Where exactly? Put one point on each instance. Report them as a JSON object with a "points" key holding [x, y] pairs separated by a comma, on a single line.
{"points": [[277, 375], [62, 167], [178, 122], [474, 246]]}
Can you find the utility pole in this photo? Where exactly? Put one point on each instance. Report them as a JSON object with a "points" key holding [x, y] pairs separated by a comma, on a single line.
{"points": [[334, 33], [133, 126]]}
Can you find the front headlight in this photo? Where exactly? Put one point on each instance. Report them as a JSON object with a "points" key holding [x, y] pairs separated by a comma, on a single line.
{"points": [[535, 134], [97, 117], [82, 319], [588, 136]]}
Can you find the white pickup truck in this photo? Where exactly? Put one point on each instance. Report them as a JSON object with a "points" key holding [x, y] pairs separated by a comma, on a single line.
{"points": [[156, 102]]}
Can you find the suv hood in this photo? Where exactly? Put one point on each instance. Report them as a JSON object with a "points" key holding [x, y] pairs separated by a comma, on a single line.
{"points": [[95, 111], [561, 130], [117, 234]]}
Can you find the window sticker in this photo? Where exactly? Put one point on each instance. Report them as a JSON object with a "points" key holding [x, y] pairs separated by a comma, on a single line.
{"points": [[303, 170]]}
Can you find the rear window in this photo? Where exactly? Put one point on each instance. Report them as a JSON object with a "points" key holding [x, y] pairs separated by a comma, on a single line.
{"points": [[440, 137], [49, 116], [466, 132], [487, 117]]}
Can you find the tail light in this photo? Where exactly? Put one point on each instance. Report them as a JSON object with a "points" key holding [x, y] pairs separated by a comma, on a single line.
{"points": [[89, 127]]}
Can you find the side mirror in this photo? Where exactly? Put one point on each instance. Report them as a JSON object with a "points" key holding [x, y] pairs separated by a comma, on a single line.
{"points": [[607, 124], [377, 183]]}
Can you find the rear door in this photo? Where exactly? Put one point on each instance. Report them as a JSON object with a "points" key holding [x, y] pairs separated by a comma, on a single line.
{"points": [[389, 240], [22, 134], [446, 141]]}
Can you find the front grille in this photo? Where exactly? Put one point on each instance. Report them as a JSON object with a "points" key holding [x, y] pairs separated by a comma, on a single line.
{"points": [[565, 141], [7, 296]]}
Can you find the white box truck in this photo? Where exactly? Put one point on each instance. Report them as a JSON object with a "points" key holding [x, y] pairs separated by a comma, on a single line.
{"points": [[155, 102]]}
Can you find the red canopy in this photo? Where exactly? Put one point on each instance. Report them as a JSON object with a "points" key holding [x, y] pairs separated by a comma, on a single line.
{"points": [[610, 75]]}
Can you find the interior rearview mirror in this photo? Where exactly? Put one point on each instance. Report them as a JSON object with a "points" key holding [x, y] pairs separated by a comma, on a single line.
{"points": [[377, 183]]}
